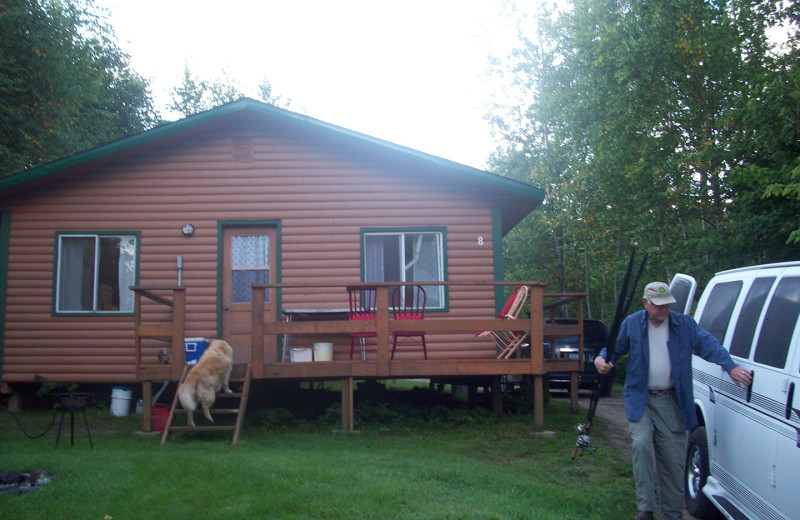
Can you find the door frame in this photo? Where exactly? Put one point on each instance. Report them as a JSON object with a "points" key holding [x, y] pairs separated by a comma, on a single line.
{"points": [[221, 225]]}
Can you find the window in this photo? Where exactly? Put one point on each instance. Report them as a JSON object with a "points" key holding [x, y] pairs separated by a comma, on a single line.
{"points": [[719, 307], [406, 256], [779, 324], [748, 317], [249, 266], [94, 273]]}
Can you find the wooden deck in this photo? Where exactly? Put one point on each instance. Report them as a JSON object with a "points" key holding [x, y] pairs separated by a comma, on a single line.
{"points": [[542, 305]]}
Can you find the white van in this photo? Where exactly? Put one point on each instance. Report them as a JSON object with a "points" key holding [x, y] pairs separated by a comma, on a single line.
{"points": [[744, 458]]}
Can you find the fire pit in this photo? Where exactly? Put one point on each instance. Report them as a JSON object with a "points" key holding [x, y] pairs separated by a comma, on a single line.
{"points": [[19, 483], [73, 402]]}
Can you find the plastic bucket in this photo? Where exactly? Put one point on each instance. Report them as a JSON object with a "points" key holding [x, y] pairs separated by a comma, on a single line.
{"points": [[323, 351], [159, 416], [120, 401], [300, 354]]}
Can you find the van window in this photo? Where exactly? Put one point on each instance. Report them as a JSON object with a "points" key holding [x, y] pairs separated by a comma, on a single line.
{"points": [[719, 307], [779, 324], [748, 317]]}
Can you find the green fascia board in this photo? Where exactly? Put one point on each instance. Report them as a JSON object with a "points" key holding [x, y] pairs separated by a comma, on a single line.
{"points": [[245, 104]]}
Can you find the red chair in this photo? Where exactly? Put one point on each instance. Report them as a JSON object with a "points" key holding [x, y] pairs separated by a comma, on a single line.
{"points": [[508, 341], [408, 303], [362, 307]]}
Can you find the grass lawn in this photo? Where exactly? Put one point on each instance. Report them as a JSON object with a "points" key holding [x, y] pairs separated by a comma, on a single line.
{"points": [[416, 455]]}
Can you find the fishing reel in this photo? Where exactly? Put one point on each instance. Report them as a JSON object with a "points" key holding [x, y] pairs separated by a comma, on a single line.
{"points": [[584, 442]]}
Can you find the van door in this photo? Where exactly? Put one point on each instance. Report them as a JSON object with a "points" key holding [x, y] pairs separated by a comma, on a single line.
{"points": [[784, 339], [738, 442], [751, 431], [682, 288]]}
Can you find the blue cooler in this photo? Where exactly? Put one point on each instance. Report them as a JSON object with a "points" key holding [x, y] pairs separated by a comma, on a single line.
{"points": [[193, 348]]}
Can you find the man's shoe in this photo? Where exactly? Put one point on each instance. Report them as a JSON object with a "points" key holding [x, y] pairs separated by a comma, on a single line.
{"points": [[644, 515]]}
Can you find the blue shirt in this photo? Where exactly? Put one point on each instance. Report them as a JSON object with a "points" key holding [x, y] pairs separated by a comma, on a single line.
{"points": [[685, 338]]}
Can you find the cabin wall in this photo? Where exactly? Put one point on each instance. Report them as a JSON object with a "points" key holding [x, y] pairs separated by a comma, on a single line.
{"points": [[320, 191]]}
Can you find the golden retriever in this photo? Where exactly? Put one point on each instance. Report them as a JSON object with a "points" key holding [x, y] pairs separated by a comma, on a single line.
{"points": [[204, 380]]}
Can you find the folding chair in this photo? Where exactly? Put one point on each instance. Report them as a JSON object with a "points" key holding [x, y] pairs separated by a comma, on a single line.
{"points": [[508, 341]]}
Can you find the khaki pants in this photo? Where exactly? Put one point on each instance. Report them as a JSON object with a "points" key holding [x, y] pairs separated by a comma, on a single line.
{"points": [[658, 443]]}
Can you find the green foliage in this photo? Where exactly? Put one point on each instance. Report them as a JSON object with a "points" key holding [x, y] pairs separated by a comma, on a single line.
{"points": [[65, 85], [671, 126], [196, 95], [47, 387]]}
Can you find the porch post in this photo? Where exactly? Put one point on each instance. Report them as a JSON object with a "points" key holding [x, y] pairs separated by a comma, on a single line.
{"points": [[573, 391], [536, 296], [382, 324], [347, 404], [178, 332], [147, 398], [257, 333]]}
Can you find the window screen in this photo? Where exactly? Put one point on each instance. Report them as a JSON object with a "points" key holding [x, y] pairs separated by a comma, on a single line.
{"points": [[95, 273], [406, 257]]}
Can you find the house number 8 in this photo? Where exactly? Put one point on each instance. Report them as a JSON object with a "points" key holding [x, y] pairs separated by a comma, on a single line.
{"points": [[480, 241]]}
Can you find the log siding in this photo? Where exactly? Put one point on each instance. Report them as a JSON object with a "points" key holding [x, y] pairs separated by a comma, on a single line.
{"points": [[321, 189]]}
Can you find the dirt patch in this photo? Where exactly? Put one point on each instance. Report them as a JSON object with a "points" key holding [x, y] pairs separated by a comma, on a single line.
{"points": [[611, 412]]}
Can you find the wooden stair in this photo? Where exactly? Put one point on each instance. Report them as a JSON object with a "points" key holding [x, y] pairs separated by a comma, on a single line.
{"points": [[240, 374]]}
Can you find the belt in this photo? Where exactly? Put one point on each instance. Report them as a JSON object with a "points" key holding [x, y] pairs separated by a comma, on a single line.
{"points": [[656, 393]]}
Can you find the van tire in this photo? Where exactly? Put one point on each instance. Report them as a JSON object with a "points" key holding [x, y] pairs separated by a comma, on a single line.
{"points": [[696, 474]]}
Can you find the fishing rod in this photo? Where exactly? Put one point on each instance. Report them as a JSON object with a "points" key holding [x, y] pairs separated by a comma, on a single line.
{"points": [[584, 442]]}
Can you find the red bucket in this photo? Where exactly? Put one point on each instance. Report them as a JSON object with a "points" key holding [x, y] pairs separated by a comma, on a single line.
{"points": [[159, 416]]}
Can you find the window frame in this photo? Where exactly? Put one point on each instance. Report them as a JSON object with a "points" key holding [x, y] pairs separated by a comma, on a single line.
{"points": [[97, 235], [444, 293]]}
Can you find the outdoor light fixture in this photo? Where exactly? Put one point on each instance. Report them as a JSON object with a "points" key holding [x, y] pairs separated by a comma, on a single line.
{"points": [[188, 230]]}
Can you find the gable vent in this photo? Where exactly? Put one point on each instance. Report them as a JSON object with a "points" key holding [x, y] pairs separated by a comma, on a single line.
{"points": [[242, 151]]}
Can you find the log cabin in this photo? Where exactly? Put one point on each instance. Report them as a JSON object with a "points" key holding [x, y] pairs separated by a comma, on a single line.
{"points": [[248, 222]]}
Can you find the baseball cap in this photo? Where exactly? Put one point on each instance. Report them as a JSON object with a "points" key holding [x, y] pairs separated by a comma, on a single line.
{"points": [[658, 293]]}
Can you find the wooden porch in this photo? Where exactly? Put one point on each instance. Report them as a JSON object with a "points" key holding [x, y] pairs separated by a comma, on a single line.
{"points": [[160, 316]]}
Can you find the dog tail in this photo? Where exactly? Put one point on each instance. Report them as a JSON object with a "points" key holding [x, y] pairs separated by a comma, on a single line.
{"points": [[186, 394]]}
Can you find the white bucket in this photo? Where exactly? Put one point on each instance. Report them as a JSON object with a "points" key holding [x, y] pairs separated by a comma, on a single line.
{"points": [[323, 351], [120, 401], [300, 354]]}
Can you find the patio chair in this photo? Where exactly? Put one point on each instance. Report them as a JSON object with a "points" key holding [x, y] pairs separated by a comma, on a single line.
{"points": [[509, 341], [362, 307], [408, 303]]}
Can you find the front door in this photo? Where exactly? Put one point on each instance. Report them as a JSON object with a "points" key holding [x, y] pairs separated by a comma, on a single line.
{"points": [[248, 257]]}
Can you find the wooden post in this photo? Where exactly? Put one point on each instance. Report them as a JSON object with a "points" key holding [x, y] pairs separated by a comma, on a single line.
{"points": [[536, 295], [147, 414], [178, 332], [257, 333], [573, 392], [497, 395], [347, 404], [382, 339], [538, 402]]}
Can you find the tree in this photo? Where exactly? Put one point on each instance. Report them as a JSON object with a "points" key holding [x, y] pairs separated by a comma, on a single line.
{"points": [[640, 129], [65, 85], [197, 95]]}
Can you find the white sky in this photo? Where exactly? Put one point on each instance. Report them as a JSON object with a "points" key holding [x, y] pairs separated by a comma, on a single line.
{"points": [[413, 72]]}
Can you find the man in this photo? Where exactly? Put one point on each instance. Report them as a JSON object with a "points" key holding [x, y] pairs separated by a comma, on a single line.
{"points": [[659, 400]]}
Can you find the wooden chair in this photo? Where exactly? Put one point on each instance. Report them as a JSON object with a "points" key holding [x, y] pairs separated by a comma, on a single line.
{"points": [[362, 307], [408, 303], [508, 341]]}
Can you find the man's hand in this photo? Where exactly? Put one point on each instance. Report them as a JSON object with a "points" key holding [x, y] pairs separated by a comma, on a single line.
{"points": [[602, 366], [738, 374]]}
